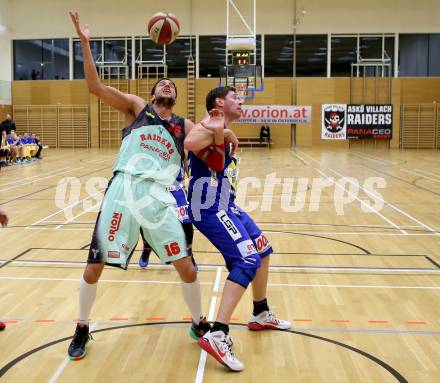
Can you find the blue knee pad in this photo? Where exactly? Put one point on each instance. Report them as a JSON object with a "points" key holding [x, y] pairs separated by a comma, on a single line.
{"points": [[242, 276]]}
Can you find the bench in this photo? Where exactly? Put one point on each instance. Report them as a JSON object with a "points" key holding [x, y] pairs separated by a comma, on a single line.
{"points": [[253, 142]]}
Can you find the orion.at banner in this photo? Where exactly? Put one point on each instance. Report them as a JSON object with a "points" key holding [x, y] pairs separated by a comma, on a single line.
{"points": [[275, 114]]}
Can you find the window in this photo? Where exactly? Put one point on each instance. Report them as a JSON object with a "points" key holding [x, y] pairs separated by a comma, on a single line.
{"points": [[212, 54], [343, 54], [177, 56], [147, 50], [434, 55], [78, 63], [311, 55], [278, 55], [116, 51], [41, 59]]}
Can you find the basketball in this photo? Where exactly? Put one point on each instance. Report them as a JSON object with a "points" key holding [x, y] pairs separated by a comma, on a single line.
{"points": [[163, 28]]}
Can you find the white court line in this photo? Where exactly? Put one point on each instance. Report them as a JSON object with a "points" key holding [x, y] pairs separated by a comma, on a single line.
{"points": [[217, 283], [331, 225], [42, 178], [298, 156], [363, 202], [76, 216], [378, 233], [356, 286], [65, 362], [99, 160], [217, 279], [377, 159], [420, 175], [101, 280], [203, 353], [209, 283], [428, 173], [36, 176], [381, 199], [61, 210]]}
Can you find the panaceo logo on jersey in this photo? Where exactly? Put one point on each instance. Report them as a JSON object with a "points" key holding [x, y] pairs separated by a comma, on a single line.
{"points": [[160, 139], [114, 226]]}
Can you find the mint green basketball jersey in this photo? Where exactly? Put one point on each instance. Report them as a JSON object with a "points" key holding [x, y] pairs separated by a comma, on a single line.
{"points": [[152, 148]]}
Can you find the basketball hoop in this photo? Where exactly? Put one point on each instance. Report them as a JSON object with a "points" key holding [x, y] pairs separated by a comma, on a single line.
{"points": [[241, 90]]}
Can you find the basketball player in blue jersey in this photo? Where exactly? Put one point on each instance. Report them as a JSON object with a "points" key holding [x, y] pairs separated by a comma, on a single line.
{"points": [[137, 197], [213, 212]]}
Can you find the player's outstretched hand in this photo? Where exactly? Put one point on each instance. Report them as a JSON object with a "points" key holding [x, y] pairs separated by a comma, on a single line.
{"points": [[82, 30]]}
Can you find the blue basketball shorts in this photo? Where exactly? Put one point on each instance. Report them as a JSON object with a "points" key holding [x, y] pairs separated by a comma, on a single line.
{"points": [[235, 235]]}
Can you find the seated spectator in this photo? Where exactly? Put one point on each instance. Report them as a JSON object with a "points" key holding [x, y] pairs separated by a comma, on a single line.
{"points": [[21, 148], [26, 141], [4, 150], [40, 146], [13, 148], [264, 134]]}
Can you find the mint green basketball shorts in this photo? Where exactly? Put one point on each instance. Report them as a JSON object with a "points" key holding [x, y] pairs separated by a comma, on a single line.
{"points": [[131, 204]]}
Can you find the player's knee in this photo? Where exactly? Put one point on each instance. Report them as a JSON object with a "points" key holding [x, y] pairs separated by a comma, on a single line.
{"points": [[242, 276], [93, 272], [186, 270]]}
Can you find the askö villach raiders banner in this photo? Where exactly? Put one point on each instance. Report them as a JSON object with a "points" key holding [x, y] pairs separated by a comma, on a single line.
{"points": [[370, 121], [342, 121]]}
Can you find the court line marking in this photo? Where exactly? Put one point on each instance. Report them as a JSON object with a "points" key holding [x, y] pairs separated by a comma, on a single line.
{"points": [[277, 268], [78, 215], [203, 353], [65, 362], [380, 160], [217, 279], [61, 210], [99, 160], [210, 283], [101, 280], [428, 173], [378, 197], [425, 234], [36, 176], [420, 175], [42, 178], [362, 202]]}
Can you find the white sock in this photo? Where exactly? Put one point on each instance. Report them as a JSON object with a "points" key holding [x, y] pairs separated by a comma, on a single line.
{"points": [[87, 294], [191, 294]]}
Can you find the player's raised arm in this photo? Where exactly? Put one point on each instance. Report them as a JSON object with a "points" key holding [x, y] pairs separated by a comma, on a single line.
{"points": [[121, 101]]}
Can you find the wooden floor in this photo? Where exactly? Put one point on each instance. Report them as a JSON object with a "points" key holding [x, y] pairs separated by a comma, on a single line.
{"points": [[360, 284]]}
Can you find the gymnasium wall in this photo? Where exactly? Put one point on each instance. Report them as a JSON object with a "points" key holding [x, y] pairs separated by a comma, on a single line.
{"points": [[116, 18], [4, 110], [306, 91], [5, 52]]}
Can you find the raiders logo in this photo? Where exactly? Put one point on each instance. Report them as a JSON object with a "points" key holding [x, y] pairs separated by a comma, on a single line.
{"points": [[334, 118]]}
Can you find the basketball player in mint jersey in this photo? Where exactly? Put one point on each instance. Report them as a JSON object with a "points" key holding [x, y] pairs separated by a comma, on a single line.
{"points": [[212, 210], [137, 197], [179, 193]]}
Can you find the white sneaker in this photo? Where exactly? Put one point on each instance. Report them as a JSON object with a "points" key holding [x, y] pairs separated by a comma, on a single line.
{"points": [[268, 320], [219, 345]]}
